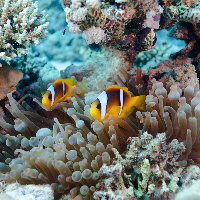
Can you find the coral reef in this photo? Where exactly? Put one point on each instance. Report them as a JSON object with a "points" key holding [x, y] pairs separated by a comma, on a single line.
{"points": [[147, 170], [112, 186], [176, 112], [129, 26], [153, 153], [165, 47], [20, 25]]}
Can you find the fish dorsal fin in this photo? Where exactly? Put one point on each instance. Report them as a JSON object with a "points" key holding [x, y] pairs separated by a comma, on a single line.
{"points": [[118, 87], [69, 81]]}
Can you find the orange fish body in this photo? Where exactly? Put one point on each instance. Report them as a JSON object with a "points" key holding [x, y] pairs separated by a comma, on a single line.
{"points": [[116, 101], [58, 92]]}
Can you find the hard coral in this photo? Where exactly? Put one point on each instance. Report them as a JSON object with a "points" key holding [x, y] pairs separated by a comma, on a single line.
{"points": [[130, 26], [20, 25], [117, 25], [179, 71], [190, 33], [147, 170], [112, 186]]}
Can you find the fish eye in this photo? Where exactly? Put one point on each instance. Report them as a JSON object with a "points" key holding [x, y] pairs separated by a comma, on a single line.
{"points": [[99, 106], [50, 96]]}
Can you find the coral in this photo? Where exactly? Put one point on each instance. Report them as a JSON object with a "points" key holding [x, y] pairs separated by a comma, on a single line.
{"points": [[96, 69], [18, 192], [94, 35], [9, 78], [113, 24], [112, 186], [176, 71], [165, 47], [190, 33], [20, 25], [148, 168], [151, 58], [129, 26], [64, 45], [48, 72]]}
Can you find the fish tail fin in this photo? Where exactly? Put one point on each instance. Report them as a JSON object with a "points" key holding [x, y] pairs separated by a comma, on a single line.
{"points": [[139, 102], [70, 81], [83, 83]]}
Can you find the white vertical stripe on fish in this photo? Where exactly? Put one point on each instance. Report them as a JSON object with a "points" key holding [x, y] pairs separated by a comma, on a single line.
{"points": [[121, 101], [51, 89], [63, 87], [103, 99]]}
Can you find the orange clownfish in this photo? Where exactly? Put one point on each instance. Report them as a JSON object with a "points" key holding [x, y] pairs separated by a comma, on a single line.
{"points": [[116, 101], [58, 92]]}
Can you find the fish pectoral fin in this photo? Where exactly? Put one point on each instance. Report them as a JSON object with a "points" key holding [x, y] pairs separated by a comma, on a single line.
{"points": [[128, 112], [64, 98], [115, 111]]}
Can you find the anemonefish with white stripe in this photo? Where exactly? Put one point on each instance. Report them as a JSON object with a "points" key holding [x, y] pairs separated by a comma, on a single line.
{"points": [[116, 101], [58, 92]]}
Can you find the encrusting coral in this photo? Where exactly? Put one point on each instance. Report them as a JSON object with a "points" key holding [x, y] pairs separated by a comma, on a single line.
{"points": [[20, 25], [147, 170]]}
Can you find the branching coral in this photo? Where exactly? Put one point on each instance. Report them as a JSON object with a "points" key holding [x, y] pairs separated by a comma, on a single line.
{"points": [[20, 25]]}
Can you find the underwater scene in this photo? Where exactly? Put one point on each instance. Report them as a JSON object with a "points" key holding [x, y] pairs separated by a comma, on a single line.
{"points": [[99, 100]]}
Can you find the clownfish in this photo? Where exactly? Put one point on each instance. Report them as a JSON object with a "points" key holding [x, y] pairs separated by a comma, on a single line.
{"points": [[58, 92], [116, 101]]}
